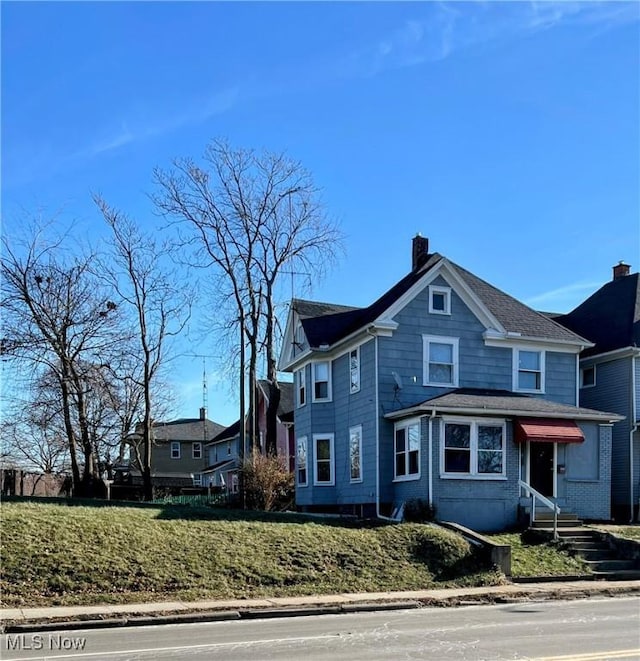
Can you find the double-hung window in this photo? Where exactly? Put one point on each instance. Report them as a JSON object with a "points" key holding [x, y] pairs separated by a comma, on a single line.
{"points": [[472, 448], [301, 387], [528, 370], [323, 459], [301, 461], [440, 360], [196, 450], [321, 381], [175, 449], [407, 450], [354, 370], [355, 453]]}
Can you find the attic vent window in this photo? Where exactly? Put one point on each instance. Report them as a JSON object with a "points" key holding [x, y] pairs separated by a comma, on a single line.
{"points": [[439, 300], [588, 377]]}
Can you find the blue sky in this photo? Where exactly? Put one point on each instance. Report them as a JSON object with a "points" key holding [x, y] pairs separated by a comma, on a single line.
{"points": [[508, 133]]}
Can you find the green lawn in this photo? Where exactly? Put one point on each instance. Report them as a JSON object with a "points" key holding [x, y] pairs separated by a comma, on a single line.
{"points": [[540, 559], [55, 554], [628, 531]]}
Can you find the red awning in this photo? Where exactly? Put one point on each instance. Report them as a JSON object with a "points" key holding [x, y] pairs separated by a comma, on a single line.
{"points": [[546, 430]]}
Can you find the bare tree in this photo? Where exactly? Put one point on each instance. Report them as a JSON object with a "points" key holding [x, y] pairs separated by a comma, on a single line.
{"points": [[160, 303], [58, 320], [35, 439], [254, 217]]}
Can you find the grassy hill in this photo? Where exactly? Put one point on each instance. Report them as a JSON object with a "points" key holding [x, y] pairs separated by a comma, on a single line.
{"points": [[56, 554]]}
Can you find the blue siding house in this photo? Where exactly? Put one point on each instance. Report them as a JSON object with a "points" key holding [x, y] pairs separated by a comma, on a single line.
{"points": [[444, 389], [610, 376]]}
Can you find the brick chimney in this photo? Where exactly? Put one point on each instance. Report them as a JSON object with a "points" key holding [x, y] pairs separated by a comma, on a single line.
{"points": [[620, 270], [419, 252], [203, 413]]}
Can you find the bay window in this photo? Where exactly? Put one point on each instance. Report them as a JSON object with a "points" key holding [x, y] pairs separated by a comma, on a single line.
{"points": [[407, 450], [472, 448]]}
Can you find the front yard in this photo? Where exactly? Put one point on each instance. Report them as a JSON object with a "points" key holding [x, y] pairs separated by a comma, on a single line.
{"points": [[62, 554], [56, 554], [550, 559]]}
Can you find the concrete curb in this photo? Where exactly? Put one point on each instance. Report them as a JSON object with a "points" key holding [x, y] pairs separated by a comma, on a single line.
{"points": [[96, 617]]}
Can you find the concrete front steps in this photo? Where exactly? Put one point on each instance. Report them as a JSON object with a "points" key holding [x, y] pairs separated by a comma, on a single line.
{"points": [[593, 546]]}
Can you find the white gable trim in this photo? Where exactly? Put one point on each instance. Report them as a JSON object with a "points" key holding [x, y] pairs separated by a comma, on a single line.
{"points": [[515, 340], [445, 269], [287, 342]]}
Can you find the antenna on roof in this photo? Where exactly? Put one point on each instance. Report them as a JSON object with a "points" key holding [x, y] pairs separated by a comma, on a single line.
{"points": [[305, 287], [398, 380], [205, 394]]}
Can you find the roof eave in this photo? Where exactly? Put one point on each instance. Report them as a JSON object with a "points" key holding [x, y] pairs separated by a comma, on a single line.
{"points": [[512, 338], [422, 409], [623, 352]]}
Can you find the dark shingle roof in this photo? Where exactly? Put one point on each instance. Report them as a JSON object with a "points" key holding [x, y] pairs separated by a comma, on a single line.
{"points": [[186, 429], [227, 433], [332, 327], [316, 309], [286, 404], [513, 315], [501, 401], [610, 318]]}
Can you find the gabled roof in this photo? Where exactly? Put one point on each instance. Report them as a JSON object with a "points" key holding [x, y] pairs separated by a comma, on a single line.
{"points": [[515, 317], [478, 401], [217, 466], [286, 404], [610, 318], [186, 429], [227, 433]]}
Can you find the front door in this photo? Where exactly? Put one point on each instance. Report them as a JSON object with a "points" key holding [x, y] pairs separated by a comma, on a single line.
{"points": [[541, 468]]}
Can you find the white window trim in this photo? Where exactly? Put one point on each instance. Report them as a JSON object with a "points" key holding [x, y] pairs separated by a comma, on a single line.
{"points": [[301, 380], [197, 480], [440, 339], [582, 370], [175, 444], [193, 449], [439, 289], [473, 448], [332, 459], [329, 397], [357, 429], [352, 389], [516, 369], [303, 439], [404, 424]]}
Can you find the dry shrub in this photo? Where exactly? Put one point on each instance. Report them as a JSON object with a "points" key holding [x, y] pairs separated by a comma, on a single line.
{"points": [[268, 484]]}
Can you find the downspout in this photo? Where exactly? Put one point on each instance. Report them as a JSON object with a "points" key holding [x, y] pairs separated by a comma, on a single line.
{"points": [[377, 417], [430, 488], [634, 429]]}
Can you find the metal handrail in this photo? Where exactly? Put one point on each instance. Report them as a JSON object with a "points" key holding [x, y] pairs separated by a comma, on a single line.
{"points": [[536, 495]]}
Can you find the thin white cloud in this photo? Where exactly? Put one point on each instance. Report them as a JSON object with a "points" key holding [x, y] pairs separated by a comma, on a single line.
{"points": [[120, 139], [132, 131], [448, 28], [198, 111], [563, 298]]}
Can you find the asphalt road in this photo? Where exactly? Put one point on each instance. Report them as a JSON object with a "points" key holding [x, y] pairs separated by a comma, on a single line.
{"points": [[583, 630]]}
